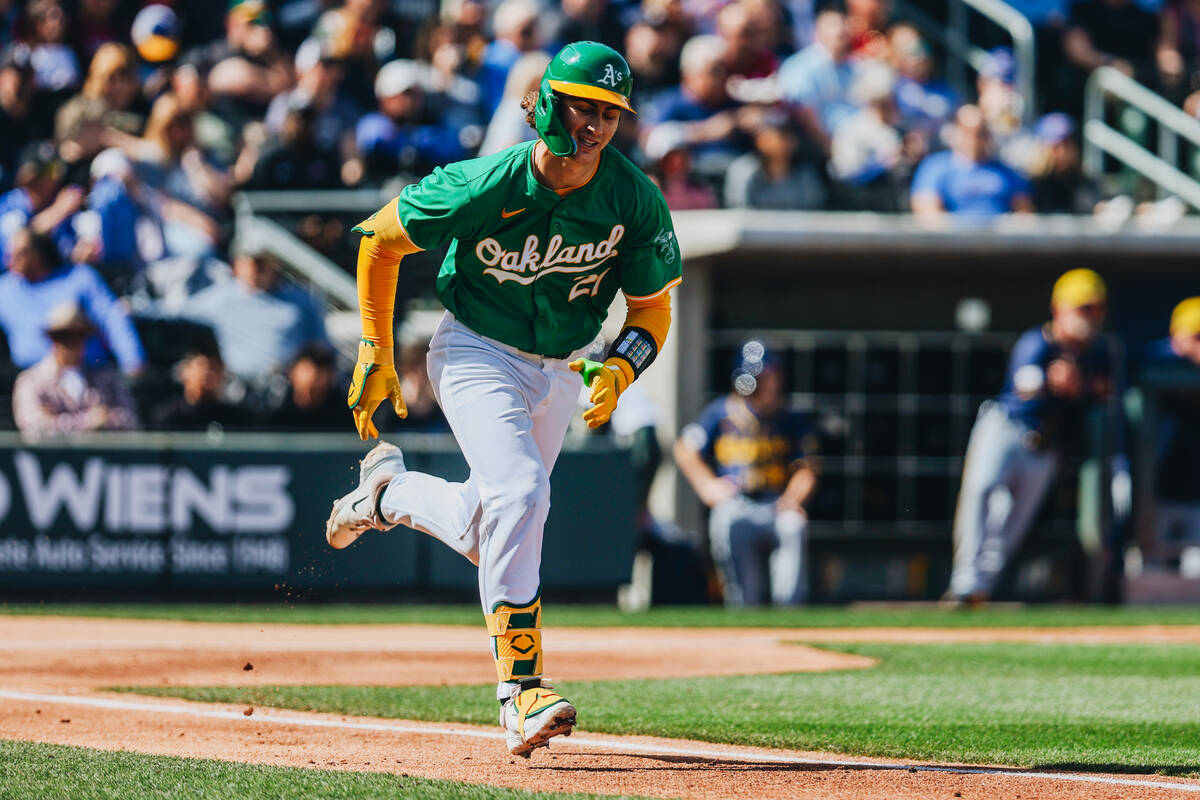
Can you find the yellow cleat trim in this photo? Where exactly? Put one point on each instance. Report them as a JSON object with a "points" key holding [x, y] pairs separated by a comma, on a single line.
{"points": [[534, 701]]}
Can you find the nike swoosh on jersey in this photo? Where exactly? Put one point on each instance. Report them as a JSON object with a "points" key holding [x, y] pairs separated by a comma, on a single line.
{"points": [[506, 214]]}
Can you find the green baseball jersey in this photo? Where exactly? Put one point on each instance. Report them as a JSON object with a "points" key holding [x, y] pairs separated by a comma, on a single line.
{"points": [[534, 269]]}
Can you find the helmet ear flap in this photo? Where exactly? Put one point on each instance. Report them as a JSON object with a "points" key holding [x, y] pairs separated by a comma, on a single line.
{"points": [[548, 119]]}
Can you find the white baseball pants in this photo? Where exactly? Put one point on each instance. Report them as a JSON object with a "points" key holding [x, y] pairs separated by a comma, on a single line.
{"points": [[1003, 485], [509, 412], [743, 532]]}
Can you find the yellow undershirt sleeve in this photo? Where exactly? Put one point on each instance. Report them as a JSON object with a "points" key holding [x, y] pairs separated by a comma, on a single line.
{"points": [[383, 244], [652, 315]]}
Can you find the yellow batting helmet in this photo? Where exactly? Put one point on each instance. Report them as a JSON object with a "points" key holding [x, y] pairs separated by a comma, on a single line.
{"points": [[1078, 287], [1185, 319]]}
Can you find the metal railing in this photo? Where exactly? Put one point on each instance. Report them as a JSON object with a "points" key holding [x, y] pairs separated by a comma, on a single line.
{"points": [[1024, 47], [298, 258], [1100, 138], [268, 202], [954, 37]]}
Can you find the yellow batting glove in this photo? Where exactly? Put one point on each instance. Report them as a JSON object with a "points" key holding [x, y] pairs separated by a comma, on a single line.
{"points": [[607, 381], [374, 381]]}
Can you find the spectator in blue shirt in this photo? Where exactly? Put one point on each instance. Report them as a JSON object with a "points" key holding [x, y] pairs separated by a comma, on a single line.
{"points": [[516, 27], [817, 80], [653, 54], [260, 322], [108, 230], [924, 102], [1002, 105], [965, 180], [712, 120], [508, 126], [319, 79], [38, 281], [40, 200], [585, 21], [297, 159], [56, 67], [414, 130]]}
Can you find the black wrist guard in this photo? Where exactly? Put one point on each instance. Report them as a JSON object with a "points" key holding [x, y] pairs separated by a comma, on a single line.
{"points": [[637, 347]]}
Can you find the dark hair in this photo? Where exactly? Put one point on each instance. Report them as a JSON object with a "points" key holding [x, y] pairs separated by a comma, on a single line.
{"points": [[39, 159], [44, 246], [529, 103], [204, 349], [318, 353]]}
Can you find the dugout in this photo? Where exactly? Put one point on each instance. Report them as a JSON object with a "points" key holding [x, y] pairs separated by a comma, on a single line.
{"points": [[868, 307], [869, 311]]}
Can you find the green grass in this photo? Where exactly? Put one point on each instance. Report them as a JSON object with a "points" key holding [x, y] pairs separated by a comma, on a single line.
{"points": [[1112, 708], [57, 772], [899, 616]]}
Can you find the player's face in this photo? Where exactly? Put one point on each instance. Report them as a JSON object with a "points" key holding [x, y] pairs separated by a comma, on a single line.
{"points": [[1081, 323], [768, 395], [1188, 347], [592, 124]]}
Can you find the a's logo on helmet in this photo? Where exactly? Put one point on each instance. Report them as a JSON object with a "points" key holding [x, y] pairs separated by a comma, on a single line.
{"points": [[612, 76]]}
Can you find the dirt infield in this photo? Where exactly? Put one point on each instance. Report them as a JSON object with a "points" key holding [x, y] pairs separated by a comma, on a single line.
{"points": [[52, 669]]}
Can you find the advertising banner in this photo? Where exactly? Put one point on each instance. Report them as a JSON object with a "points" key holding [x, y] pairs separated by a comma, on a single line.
{"points": [[248, 517]]}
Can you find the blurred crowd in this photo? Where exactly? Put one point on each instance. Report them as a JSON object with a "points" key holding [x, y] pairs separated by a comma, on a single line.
{"points": [[126, 126]]}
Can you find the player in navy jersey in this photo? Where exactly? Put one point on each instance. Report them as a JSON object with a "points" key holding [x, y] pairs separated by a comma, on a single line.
{"points": [[745, 456], [1057, 371], [1177, 438]]}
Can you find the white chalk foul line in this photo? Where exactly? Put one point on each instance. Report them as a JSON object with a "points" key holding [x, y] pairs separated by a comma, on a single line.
{"points": [[583, 741]]}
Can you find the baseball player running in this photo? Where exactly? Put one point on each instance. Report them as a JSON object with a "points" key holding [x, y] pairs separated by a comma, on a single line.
{"points": [[1055, 372], [542, 235]]}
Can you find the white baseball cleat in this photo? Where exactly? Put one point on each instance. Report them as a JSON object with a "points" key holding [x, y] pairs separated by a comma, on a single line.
{"points": [[356, 513], [533, 715]]}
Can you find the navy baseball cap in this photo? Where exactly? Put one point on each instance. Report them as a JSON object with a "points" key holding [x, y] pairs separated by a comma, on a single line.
{"points": [[1054, 128], [1000, 65], [752, 360]]}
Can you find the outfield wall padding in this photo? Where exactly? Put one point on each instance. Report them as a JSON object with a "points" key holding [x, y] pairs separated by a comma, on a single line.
{"points": [[243, 516]]}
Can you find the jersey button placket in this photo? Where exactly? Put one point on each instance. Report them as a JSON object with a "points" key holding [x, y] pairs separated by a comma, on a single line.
{"points": [[540, 331]]}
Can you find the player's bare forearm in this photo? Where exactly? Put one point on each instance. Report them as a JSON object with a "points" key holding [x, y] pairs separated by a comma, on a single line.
{"points": [[799, 489], [711, 489], [692, 466]]}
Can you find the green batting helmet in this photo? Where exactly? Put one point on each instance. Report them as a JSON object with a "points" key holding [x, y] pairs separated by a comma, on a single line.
{"points": [[581, 69]]}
